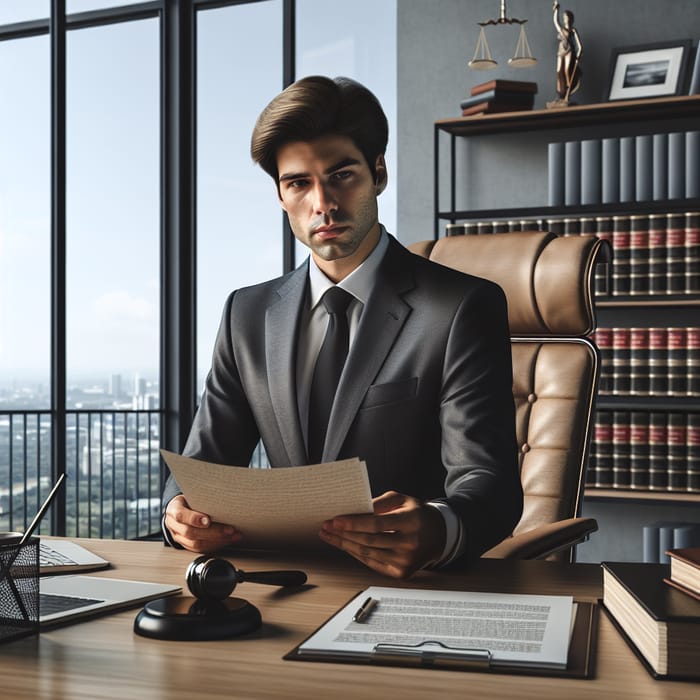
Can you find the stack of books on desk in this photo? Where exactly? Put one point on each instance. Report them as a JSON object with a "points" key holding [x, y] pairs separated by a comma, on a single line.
{"points": [[685, 570], [660, 623], [499, 96]]}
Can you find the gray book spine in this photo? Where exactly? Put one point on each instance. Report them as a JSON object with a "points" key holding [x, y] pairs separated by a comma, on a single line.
{"points": [[591, 170], [572, 173], [692, 164], [660, 160], [644, 150], [610, 170], [676, 165], [650, 544], [555, 165], [628, 184]]}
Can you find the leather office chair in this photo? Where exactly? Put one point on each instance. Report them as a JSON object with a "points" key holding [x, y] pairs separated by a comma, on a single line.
{"points": [[547, 280]]}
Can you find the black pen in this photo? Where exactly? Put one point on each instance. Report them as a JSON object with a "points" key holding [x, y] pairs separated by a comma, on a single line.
{"points": [[365, 609]]}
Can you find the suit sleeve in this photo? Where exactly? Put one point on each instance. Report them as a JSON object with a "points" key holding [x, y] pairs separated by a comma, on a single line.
{"points": [[477, 417], [224, 430]]}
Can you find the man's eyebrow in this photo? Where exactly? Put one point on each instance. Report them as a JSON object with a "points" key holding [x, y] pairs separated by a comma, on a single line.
{"points": [[344, 163]]}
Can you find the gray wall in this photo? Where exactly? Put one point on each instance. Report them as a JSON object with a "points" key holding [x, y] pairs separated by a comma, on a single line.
{"points": [[436, 39]]}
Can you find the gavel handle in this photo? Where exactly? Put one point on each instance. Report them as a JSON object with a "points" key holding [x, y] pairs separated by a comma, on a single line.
{"points": [[273, 578]]}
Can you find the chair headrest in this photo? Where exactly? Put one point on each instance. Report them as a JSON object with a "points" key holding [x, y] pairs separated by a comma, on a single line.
{"points": [[547, 278]]}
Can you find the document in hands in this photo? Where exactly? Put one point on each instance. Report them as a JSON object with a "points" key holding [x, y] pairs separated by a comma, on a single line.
{"points": [[273, 506], [493, 629]]}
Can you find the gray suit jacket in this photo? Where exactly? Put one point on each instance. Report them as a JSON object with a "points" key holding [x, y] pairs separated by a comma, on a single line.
{"points": [[425, 397]]}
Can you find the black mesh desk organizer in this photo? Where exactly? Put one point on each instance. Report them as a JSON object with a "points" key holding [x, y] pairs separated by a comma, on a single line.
{"points": [[19, 588]]}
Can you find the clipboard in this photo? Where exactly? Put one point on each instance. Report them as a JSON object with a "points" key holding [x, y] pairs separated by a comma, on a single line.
{"points": [[580, 661]]}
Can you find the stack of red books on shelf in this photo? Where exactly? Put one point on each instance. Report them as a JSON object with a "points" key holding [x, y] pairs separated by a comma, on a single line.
{"points": [[499, 96]]}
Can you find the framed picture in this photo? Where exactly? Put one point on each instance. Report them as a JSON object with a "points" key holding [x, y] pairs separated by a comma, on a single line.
{"points": [[653, 70]]}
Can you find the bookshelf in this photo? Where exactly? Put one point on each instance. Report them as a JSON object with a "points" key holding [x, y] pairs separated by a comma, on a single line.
{"points": [[615, 309]]}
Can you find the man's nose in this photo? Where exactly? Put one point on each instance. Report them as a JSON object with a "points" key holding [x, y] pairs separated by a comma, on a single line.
{"points": [[324, 200]]}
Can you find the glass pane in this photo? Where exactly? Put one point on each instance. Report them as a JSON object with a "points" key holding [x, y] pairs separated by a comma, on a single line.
{"points": [[334, 38], [113, 278], [23, 10], [113, 220], [25, 274], [239, 221], [85, 5]]}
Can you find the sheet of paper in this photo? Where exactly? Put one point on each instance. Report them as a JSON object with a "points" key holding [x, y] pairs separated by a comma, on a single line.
{"points": [[273, 506], [515, 629]]}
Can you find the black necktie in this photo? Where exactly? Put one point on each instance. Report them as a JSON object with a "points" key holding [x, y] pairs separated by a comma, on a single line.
{"points": [[329, 367]]}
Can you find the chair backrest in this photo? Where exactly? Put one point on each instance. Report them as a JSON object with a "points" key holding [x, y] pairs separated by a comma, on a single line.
{"points": [[547, 280]]}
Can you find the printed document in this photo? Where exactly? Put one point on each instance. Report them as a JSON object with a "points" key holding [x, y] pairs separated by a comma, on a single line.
{"points": [[499, 628], [273, 506]]}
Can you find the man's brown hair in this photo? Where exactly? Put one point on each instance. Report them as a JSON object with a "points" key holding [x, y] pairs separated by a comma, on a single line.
{"points": [[317, 106]]}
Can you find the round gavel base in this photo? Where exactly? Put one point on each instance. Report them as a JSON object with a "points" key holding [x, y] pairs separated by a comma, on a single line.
{"points": [[187, 618]]}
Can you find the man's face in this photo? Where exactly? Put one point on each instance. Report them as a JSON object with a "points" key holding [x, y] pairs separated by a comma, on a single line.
{"points": [[330, 196]]}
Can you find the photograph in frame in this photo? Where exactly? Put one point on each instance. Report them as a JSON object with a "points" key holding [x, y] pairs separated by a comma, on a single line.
{"points": [[652, 70]]}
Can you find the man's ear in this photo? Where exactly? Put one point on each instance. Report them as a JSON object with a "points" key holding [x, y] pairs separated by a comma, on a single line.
{"points": [[380, 178]]}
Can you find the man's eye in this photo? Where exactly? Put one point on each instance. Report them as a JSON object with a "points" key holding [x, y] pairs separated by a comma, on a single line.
{"points": [[342, 175], [296, 184]]}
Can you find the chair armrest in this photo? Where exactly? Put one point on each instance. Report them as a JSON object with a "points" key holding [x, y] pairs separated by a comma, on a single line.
{"points": [[545, 540]]}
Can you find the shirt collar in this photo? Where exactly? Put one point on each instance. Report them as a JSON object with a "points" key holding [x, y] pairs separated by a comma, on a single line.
{"points": [[359, 282]]}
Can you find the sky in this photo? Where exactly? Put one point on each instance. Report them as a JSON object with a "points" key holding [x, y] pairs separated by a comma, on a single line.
{"points": [[113, 172]]}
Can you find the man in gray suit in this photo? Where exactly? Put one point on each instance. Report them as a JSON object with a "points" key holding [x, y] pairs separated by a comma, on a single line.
{"points": [[425, 394]]}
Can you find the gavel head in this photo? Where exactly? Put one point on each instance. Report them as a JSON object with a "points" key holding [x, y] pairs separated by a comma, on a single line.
{"points": [[209, 578]]}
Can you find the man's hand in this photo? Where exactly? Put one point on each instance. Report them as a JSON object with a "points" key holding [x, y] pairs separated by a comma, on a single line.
{"points": [[402, 536], [195, 531]]}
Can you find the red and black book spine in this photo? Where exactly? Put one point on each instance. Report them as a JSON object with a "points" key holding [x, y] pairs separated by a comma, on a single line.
{"points": [[693, 452], [657, 253], [639, 255], [621, 450], [693, 370], [676, 444], [677, 362], [639, 450], [639, 361], [692, 253], [602, 475], [621, 255], [658, 465], [658, 370], [621, 361], [603, 338], [675, 254]]}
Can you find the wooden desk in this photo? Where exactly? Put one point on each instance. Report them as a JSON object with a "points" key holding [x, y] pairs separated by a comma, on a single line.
{"points": [[103, 658]]}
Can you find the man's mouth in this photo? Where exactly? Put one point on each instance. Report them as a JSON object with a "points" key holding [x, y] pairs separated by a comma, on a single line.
{"points": [[328, 232]]}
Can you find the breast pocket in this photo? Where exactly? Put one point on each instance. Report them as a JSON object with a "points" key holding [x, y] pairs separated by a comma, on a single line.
{"points": [[390, 392]]}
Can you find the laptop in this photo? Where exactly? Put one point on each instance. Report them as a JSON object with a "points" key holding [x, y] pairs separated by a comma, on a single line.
{"points": [[64, 556], [71, 598]]}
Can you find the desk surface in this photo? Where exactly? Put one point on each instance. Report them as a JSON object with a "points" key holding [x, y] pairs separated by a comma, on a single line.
{"points": [[103, 658]]}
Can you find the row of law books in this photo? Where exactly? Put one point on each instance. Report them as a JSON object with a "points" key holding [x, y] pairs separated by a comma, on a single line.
{"points": [[645, 450], [496, 96], [642, 361], [662, 535], [640, 168], [653, 254]]}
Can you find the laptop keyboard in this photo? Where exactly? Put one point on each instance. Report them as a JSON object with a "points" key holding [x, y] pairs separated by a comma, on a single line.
{"points": [[50, 557], [50, 604]]}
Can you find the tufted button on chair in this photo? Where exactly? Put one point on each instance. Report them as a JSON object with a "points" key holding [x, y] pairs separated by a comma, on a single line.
{"points": [[547, 280]]}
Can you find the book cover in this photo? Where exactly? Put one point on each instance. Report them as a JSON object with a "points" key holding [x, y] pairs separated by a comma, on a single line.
{"points": [[511, 85], [628, 177], [675, 253], [639, 450], [591, 171], [494, 107], [677, 470], [602, 476], [610, 170], [621, 255], [644, 179], [503, 96], [661, 624], [572, 173], [639, 254], [555, 174], [692, 339], [639, 361], [676, 165], [622, 468], [660, 163], [692, 252], [657, 253], [685, 567], [658, 475], [693, 447], [658, 367]]}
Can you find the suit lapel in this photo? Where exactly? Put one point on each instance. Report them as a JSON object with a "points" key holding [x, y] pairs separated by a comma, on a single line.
{"points": [[280, 354], [382, 320]]}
